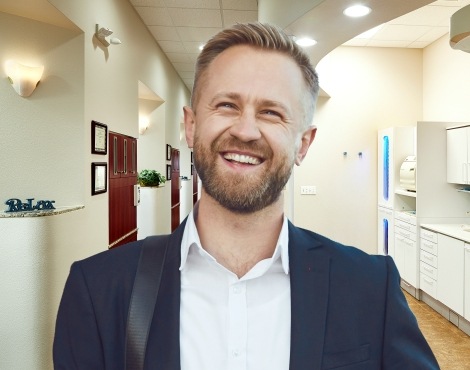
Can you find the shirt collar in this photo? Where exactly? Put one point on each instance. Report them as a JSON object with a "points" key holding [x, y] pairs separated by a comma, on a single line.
{"points": [[191, 238]]}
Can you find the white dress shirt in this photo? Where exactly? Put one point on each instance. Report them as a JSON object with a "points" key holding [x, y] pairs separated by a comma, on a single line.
{"points": [[229, 323]]}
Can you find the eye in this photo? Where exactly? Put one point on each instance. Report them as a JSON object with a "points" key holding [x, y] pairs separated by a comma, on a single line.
{"points": [[225, 105], [271, 113]]}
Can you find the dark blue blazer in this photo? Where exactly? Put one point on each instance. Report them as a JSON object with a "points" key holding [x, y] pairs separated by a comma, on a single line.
{"points": [[348, 311]]}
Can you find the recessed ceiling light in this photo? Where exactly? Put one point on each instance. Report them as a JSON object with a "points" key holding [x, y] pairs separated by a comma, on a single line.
{"points": [[357, 11], [305, 41]]}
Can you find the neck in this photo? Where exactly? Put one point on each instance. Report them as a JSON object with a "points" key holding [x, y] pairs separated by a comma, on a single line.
{"points": [[238, 241]]}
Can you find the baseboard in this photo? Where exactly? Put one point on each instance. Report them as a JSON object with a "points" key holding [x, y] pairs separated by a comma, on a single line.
{"points": [[410, 289], [445, 312]]}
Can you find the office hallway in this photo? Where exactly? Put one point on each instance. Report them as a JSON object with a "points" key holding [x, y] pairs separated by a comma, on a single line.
{"points": [[450, 345]]}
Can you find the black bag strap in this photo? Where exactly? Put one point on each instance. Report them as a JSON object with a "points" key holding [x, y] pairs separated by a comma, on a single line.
{"points": [[143, 299]]}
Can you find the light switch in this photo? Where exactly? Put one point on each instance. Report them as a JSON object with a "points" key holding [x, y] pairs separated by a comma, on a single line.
{"points": [[308, 190]]}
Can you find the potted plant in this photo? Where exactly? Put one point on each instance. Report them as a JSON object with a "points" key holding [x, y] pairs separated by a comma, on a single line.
{"points": [[150, 178]]}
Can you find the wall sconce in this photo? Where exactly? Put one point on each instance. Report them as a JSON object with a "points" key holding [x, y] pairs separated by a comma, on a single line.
{"points": [[102, 33], [23, 79], [144, 124]]}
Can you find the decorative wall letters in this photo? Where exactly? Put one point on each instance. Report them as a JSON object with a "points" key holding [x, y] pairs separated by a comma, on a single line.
{"points": [[16, 205]]}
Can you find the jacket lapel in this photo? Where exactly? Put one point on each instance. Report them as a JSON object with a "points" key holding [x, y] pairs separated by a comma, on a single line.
{"points": [[309, 274]]}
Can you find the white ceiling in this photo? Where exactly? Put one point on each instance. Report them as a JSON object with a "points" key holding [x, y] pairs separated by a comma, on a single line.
{"points": [[417, 29], [181, 26]]}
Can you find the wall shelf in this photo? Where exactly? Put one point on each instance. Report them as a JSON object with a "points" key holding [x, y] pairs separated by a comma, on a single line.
{"points": [[49, 212]]}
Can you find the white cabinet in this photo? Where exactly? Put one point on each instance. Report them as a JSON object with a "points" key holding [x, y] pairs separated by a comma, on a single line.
{"points": [[405, 248], [428, 265], [458, 155], [450, 276], [467, 283]]}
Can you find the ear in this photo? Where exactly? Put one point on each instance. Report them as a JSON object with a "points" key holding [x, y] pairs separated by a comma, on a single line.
{"points": [[305, 142], [189, 125]]}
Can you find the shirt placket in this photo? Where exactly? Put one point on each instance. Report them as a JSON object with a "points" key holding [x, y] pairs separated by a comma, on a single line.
{"points": [[237, 328]]}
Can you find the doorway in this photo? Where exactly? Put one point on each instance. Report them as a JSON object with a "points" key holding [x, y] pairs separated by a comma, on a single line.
{"points": [[175, 188], [122, 179]]}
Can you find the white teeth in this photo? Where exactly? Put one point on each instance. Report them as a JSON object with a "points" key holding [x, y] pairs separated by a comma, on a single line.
{"points": [[241, 158]]}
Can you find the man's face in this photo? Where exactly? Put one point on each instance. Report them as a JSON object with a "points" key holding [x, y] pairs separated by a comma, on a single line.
{"points": [[248, 127]]}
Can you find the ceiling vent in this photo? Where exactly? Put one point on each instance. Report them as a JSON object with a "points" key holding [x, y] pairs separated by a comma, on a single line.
{"points": [[460, 29]]}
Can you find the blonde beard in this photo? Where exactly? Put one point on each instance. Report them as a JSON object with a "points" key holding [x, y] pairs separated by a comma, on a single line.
{"points": [[241, 194]]}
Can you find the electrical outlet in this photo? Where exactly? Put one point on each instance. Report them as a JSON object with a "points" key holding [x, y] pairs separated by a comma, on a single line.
{"points": [[308, 190]]}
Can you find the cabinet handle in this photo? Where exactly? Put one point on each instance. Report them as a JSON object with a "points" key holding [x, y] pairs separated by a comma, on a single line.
{"points": [[427, 246], [429, 281], [427, 257], [428, 235], [429, 269]]}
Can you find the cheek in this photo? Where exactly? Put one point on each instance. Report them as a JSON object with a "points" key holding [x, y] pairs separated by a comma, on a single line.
{"points": [[211, 128]]}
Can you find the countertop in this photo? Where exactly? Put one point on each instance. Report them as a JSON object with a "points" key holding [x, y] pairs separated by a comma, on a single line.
{"points": [[453, 230]]}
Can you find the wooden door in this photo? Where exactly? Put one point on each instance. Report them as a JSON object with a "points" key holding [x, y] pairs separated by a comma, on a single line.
{"points": [[195, 181], [175, 188], [122, 178]]}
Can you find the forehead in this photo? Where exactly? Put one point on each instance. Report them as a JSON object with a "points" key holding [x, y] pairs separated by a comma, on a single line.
{"points": [[251, 67]]}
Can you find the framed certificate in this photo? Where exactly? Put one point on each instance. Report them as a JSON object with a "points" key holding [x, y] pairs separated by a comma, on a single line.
{"points": [[168, 172], [99, 138], [168, 152], [99, 178]]}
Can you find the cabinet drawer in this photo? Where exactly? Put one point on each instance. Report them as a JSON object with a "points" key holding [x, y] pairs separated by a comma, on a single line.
{"points": [[428, 235], [405, 225], [428, 246], [428, 270], [428, 258], [405, 233], [405, 217], [428, 285]]}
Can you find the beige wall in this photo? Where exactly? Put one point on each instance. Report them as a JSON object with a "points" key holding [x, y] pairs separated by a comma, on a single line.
{"points": [[446, 76], [45, 153], [370, 89], [37, 131]]}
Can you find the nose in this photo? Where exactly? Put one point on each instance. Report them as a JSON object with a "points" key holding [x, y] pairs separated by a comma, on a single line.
{"points": [[245, 127]]}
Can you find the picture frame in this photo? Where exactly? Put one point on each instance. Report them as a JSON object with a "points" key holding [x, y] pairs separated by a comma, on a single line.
{"points": [[168, 172], [168, 152], [99, 178], [99, 138]]}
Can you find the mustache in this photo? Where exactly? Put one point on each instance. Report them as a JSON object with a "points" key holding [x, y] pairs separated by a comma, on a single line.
{"points": [[255, 147]]}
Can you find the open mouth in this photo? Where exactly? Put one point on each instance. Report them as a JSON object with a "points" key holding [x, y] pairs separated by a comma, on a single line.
{"points": [[241, 158]]}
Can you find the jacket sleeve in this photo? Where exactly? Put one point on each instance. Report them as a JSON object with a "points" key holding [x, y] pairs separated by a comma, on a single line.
{"points": [[404, 345], [77, 343]]}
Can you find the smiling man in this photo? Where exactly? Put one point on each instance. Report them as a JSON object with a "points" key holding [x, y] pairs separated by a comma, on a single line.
{"points": [[241, 287]]}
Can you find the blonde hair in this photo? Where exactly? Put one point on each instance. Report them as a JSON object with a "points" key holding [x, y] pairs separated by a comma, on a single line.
{"points": [[263, 36]]}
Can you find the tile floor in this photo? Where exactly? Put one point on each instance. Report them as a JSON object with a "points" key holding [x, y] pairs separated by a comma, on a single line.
{"points": [[450, 345]]}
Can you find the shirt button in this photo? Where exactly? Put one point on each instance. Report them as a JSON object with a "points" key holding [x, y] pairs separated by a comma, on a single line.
{"points": [[235, 353], [236, 289]]}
